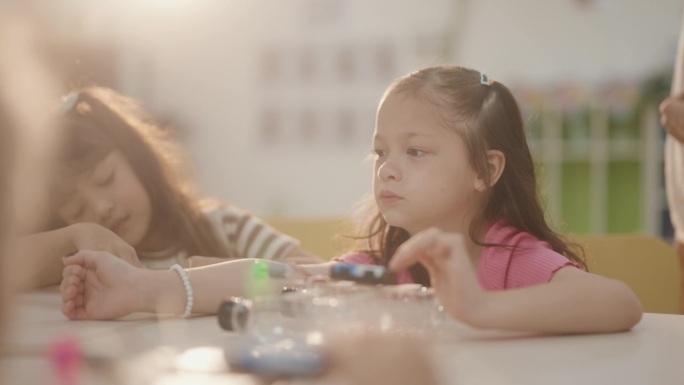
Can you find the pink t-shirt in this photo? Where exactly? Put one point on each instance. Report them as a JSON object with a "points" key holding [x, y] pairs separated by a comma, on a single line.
{"points": [[530, 262]]}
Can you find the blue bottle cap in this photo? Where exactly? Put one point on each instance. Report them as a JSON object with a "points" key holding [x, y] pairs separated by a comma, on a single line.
{"points": [[365, 274]]}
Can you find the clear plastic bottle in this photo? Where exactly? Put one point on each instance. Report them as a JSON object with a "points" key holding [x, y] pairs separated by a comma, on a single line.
{"points": [[310, 314], [306, 315]]}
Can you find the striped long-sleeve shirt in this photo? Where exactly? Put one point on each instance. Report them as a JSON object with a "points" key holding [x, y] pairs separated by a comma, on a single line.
{"points": [[243, 234]]}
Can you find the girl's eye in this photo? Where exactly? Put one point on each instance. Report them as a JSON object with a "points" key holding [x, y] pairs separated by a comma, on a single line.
{"points": [[379, 153], [415, 152]]}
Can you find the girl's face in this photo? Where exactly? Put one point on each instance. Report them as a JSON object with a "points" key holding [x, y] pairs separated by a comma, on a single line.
{"points": [[113, 196], [423, 177]]}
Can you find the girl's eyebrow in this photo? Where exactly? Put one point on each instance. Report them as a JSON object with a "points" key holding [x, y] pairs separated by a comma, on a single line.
{"points": [[408, 135], [414, 134]]}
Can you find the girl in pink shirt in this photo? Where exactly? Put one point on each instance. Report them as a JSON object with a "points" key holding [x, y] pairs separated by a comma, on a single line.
{"points": [[456, 208]]}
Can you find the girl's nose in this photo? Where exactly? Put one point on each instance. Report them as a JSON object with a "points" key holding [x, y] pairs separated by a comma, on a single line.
{"points": [[388, 171], [101, 207]]}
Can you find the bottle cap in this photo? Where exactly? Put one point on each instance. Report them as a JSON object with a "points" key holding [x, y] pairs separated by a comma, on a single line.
{"points": [[233, 314], [365, 274]]}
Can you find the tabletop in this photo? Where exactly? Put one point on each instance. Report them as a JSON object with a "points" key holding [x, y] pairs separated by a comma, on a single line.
{"points": [[651, 353]]}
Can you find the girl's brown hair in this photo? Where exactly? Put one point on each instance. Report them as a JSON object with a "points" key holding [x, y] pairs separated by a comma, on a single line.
{"points": [[100, 121], [487, 117]]}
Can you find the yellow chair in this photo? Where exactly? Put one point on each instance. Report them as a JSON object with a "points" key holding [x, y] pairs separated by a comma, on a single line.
{"points": [[323, 237], [647, 264]]}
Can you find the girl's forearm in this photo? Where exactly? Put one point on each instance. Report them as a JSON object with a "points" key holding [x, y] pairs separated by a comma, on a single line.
{"points": [[213, 284], [598, 304], [36, 258], [163, 290]]}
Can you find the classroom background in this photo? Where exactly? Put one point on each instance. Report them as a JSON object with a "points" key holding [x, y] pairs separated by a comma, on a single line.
{"points": [[275, 100]]}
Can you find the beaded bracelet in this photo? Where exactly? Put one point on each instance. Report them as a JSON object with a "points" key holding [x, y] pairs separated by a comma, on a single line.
{"points": [[188, 289]]}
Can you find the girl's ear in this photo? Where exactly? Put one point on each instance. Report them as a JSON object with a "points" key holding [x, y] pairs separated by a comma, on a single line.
{"points": [[496, 162]]}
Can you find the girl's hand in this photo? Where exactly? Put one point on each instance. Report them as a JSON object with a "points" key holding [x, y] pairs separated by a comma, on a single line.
{"points": [[452, 274], [672, 116], [97, 285], [91, 236]]}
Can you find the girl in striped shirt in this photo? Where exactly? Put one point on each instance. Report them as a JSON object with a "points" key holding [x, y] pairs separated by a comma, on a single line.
{"points": [[120, 186]]}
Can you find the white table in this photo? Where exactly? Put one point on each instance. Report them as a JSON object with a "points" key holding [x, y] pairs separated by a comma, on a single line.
{"points": [[652, 353]]}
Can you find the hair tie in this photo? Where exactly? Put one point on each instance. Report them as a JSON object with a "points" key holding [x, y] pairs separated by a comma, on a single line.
{"points": [[484, 79]]}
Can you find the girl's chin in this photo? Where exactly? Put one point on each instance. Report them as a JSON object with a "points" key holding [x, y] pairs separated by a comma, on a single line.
{"points": [[397, 223]]}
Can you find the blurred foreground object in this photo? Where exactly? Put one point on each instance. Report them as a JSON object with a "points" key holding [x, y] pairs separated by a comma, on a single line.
{"points": [[27, 96]]}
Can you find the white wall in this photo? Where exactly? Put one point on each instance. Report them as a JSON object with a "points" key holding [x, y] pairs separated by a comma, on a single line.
{"points": [[203, 58], [543, 41]]}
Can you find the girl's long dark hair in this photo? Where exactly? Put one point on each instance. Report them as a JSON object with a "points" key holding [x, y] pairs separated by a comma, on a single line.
{"points": [[101, 121], [487, 117]]}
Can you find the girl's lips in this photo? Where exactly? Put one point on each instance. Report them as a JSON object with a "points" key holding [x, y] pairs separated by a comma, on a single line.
{"points": [[387, 196]]}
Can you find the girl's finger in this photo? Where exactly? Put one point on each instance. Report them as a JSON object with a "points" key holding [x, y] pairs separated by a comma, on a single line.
{"points": [[663, 105], [70, 292], [430, 243], [429, 265], [68, 270], [411, 251], [80, 313], [79, 300], [65, 288], [68, 309], [62, 287], [74, 259]]}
